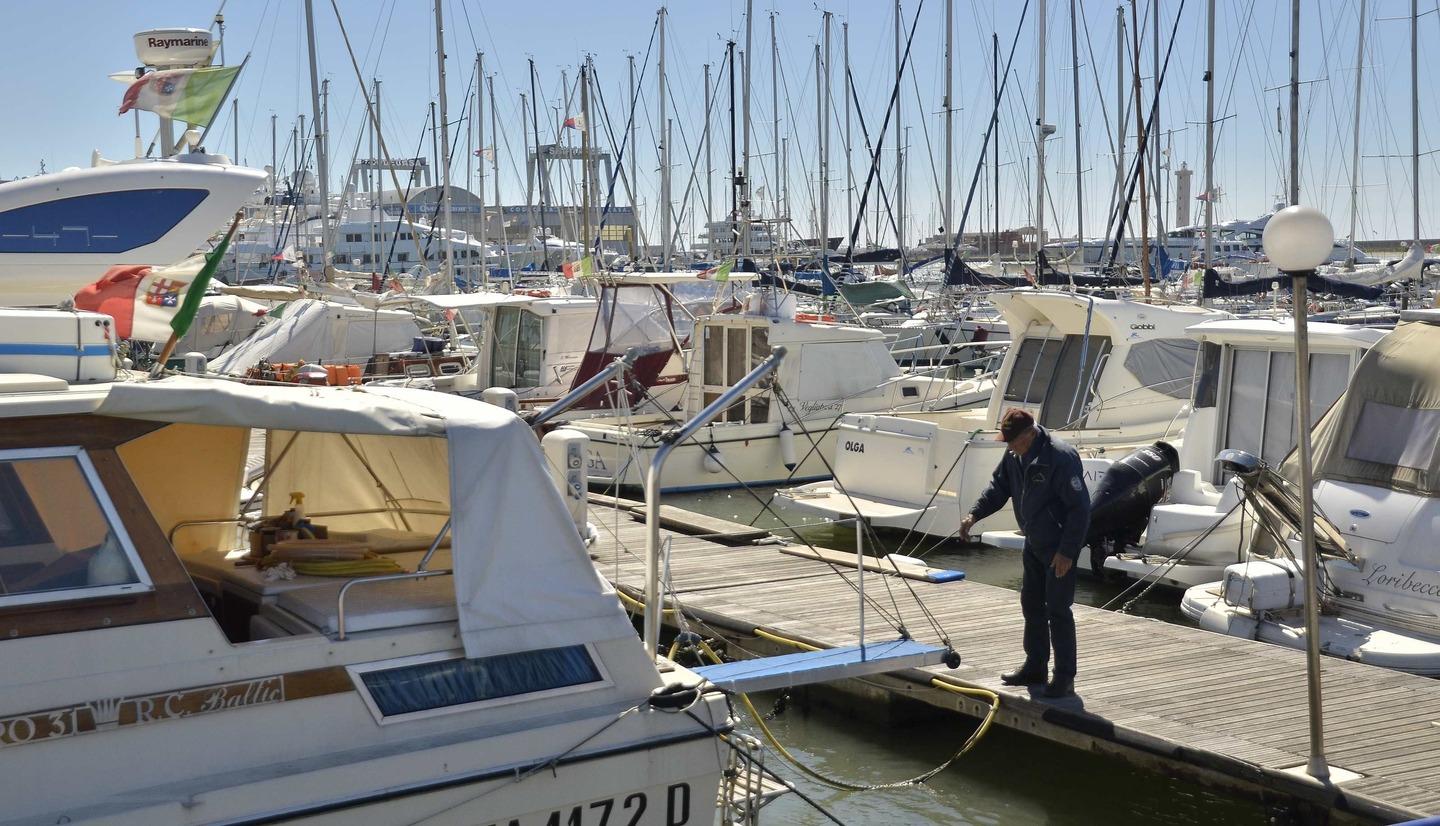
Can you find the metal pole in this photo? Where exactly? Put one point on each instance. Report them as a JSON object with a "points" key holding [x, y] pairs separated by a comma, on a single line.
{"points": [[900, 143], [949, 122], [664, 155], [1294, 110], [775, 125], [480, 160], [1355, 137], [589, 239], [849, 167], [1144, 251], [321, 164], [1042, 19], [235, 122], [653, 598], [745, 187], [1156, 130], [825, 154], [540, 173], [709, 164], [1414, 114], [1119, 103], [995, 130], [444, 126], [818, 206], [1079, 158], [1317, 766], [1210, 138], [634, 181]]}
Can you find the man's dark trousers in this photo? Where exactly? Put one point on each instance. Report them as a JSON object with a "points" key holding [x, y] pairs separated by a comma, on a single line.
{"points": [[1045, 601]]}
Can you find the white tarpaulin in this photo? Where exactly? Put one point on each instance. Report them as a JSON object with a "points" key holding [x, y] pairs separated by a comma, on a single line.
{"points": [[523, 580], [321, 331]]}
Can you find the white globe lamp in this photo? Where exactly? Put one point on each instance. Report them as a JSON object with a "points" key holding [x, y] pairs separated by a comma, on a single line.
{"points": [[1298, 238]]}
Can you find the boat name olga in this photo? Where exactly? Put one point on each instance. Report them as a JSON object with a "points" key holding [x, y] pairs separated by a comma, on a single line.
{"points": [[116, 712]]}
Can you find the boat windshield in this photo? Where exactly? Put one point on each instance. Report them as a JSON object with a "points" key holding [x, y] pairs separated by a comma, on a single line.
{"points": [[1058, 375]]}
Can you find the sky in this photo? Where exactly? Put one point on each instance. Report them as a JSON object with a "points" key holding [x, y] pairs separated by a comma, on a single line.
{"points": [[61, 90]]}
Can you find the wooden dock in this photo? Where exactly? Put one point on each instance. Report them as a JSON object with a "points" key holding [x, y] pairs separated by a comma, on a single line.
{"points": [[1215, 709]]}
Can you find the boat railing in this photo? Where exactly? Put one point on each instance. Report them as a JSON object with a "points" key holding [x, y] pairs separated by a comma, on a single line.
{"points": [[421, 571], [241, 519]]}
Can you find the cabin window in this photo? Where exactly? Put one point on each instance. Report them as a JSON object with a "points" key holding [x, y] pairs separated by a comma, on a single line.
{"points": [[60, 537], [1260, 410], [453, 683], [1395, 436], [1207, 378], [517, 352], [1049, 372]]}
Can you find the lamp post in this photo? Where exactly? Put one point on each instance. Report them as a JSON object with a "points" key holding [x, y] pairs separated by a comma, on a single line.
{"points": [[1298, 239]]}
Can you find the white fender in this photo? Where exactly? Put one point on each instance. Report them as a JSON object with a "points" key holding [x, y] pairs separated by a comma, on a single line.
{"points": [[713, 464], [787, 446]]}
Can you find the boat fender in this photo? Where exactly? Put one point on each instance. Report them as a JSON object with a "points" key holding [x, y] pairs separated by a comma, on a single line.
{"points": [[952, 658], [674, 697], [713, 464], [787, 447], [1222, 620]]}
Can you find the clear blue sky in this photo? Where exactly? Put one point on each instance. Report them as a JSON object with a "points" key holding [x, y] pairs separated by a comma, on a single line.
{"points": [[62, 105]]}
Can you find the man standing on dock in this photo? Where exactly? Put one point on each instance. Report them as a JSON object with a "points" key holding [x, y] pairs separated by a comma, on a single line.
{"points": [[1044, 477]]}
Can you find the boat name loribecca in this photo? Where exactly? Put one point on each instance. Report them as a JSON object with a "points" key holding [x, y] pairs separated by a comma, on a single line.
{"points": [[1410, 581]]}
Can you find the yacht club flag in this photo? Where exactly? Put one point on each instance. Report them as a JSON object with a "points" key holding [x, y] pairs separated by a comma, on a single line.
{"points": [[142, 299], [189, 95]]}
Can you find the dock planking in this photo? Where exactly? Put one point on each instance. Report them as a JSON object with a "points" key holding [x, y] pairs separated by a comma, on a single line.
{"points": [[1217, 709]]}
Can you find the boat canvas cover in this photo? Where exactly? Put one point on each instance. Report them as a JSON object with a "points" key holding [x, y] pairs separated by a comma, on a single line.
{"points": [[523, 580], [321, 331], [1385, 430]]}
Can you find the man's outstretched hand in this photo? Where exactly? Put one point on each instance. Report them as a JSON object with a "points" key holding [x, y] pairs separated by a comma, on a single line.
{"points": [[965, 525]]}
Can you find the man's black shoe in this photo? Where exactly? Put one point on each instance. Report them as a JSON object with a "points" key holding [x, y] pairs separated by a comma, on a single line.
{"points": [[1060, 687], [1023, 676]]}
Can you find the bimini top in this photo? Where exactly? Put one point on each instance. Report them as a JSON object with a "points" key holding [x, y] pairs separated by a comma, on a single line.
{"points": [[523, 580], [1385, 430], [1270, 332]]}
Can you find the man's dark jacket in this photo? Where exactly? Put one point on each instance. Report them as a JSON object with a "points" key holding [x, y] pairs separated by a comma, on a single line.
{"points": [[1052, 504]]}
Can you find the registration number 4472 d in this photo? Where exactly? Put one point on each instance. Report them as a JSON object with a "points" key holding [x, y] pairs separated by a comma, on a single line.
{"points": [[632, 809]]}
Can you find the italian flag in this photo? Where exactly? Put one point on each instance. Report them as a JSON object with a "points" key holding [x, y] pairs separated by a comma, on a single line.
{"points": [[189, 95], [585, 268], [721, 272]]}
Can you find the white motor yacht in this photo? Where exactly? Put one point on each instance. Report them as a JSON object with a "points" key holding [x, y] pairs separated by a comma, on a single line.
{"points": [[1106, 375], [1377, 502], [1244, 398], [473, 668]]}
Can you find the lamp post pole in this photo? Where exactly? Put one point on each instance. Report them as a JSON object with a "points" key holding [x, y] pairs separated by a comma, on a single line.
{"points": [[1298, 239]]}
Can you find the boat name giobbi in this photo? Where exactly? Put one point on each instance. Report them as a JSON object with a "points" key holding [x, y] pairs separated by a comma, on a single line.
{"points": [[99, 715]]}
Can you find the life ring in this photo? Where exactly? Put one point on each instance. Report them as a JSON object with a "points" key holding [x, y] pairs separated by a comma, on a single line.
{"points": [[815, 317], [538, 293]]}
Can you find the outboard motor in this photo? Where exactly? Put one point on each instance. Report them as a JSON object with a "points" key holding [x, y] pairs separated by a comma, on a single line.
{"points": [[1120, 505]]}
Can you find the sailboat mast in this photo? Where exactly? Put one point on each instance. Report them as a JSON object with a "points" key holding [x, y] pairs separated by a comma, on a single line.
{"points": [[1119, 104], [1042, 20], [900, 143], [444, 125], [1144, 251], [745, 157], [825, 153], [321, 161], [585, 156], [849, 166], [1210, 137], [1355, 136], [949, 121], [995, 130], [709, 164], [664, 156], [538, 171], [775, 125], [1294, 103], [1079, 157], [1415, 114]]}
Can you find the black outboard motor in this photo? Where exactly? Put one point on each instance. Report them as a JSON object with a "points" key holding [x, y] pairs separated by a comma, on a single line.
{"points": [[1120, 505]]}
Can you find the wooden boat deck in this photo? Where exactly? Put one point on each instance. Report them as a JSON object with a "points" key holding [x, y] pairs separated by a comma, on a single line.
{"points": [[1213, 708]]}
